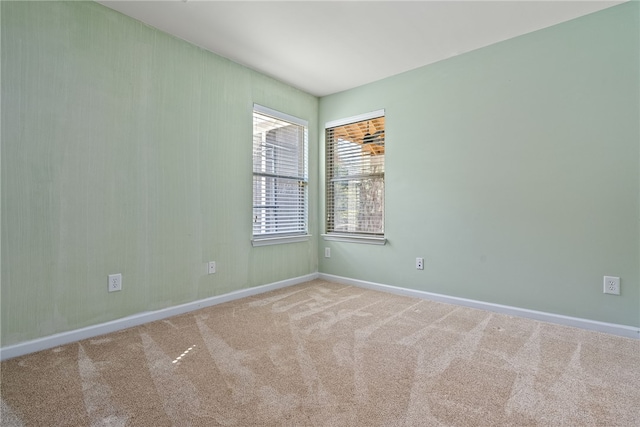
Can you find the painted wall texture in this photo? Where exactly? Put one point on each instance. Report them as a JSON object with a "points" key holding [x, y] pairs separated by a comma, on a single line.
{"points": [[514, 171], [125, 150]]}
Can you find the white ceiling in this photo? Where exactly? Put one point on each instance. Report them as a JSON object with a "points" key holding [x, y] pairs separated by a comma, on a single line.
{"points": [[324, 47]]}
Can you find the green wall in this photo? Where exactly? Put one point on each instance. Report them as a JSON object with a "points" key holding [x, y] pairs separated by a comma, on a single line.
{"points": [[125, 150], [514, 171]]}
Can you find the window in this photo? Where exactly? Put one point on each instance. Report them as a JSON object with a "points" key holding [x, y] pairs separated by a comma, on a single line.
{"points": [[355, 176], [279, 177]]}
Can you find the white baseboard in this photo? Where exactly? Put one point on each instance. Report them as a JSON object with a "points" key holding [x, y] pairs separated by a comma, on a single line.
{"points": [[592, 325], [56, 340]]}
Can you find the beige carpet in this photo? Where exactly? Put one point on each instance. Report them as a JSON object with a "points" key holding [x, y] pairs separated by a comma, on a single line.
{"points": [[323, 354]]}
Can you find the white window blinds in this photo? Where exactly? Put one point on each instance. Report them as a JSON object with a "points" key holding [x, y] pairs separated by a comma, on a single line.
{"points": [[355, 175], [279, 174]]}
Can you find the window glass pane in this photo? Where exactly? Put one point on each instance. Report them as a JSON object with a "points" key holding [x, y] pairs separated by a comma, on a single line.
{"points": [[279, 176], [355, 177], [358, 206], [278, 205]]}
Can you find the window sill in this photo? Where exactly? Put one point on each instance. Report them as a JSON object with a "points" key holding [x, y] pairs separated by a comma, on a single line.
{"points": [[369, 240], [266, 241]]}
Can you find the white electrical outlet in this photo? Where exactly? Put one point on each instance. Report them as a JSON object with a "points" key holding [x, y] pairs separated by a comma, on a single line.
{"points": [[327, 252], [115, 282], [419, 263], [611, 285], [211, 266]]}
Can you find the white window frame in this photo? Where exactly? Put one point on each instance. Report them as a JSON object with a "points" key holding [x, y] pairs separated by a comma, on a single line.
{"points": [[301, 234], [351, 237]]}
